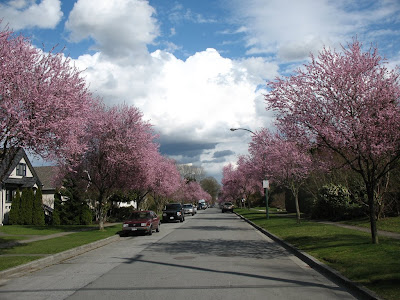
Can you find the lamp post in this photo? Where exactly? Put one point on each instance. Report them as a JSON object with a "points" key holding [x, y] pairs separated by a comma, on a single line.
{"points": [[265, 182]]}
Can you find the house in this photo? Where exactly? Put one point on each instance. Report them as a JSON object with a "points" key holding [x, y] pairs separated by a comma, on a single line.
{"points": [[16, 172], [47, 175]]}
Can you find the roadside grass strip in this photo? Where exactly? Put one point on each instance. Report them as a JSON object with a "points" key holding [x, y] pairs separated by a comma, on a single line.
{"points": [[41, 230], [348, 251], [23, 253]]}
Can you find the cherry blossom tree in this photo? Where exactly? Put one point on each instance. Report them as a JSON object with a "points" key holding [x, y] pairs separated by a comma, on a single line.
{"points": [[346, 102], [120, 151], [230, 187], [167, 180], [44, 101], [240, 182], [247, 182], [282, 161]]}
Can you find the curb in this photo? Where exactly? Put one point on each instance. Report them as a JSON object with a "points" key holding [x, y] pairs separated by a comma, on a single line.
{"points": [[56, 258], [355, 289]]}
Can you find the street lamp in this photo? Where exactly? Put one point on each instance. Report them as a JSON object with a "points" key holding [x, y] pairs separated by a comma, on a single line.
{"points": [[265, 182], [234, 129]]}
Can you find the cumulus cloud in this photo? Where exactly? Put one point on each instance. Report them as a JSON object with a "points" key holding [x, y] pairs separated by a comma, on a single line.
{"points": [[192, 103], [22, 14], [120, 29]]}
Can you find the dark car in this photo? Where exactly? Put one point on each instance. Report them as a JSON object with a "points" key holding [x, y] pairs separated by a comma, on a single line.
{"points": [[227, 206], [173, 212], [141, 221]]}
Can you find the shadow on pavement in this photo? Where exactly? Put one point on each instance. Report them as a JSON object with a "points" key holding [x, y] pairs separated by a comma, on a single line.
{"points": [[222, 248]]}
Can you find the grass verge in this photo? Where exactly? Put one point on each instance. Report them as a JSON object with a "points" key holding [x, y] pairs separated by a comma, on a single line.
{"points": [[51, 246], [349, 251], [41, 230]]}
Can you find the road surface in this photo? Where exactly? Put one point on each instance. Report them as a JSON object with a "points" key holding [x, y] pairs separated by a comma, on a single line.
{"points": [[209, 256]]}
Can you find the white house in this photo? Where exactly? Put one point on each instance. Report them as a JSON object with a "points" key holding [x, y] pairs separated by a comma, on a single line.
{"points": [[16, 172]]}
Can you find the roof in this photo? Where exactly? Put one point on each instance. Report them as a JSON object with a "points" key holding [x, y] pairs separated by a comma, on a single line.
{"points": [[47, 175], [9, 162]]}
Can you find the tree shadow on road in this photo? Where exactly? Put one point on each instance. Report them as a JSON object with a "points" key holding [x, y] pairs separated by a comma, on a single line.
{"points": [[222, 248]]}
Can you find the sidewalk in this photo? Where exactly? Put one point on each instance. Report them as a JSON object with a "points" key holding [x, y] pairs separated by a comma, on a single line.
{"points": [[393, 235]]}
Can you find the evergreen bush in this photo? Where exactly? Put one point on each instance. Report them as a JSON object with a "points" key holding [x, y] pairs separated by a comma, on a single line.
{"points": [[38, 212], [15, 212]]}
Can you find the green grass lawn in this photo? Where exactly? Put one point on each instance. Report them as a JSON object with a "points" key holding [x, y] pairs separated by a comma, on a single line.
{"points": [[40, 230], [348, 251], [50, 246]]}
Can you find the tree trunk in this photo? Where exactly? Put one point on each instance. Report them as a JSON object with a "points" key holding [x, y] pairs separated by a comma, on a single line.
{"points": [[372, 215], [295, 192], [296, 200], [101, 212]]}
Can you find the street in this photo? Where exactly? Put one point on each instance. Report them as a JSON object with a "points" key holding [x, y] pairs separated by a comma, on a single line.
{"points": [[211, 255]]}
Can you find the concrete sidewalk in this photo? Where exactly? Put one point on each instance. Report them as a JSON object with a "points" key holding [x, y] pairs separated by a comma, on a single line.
{"points": [[393, 235]]}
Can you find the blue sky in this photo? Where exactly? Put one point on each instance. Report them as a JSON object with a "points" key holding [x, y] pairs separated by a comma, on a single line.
{"points": [[197, 68]]}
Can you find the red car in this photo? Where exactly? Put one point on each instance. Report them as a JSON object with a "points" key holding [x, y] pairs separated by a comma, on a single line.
{"points": [[142, 221]]}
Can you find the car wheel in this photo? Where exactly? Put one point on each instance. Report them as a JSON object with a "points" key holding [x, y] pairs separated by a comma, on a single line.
{"points": [[150, 231], [158, 227]]}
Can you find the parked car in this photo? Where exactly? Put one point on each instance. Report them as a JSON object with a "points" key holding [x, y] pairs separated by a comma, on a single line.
{"points": [[173, 212], [141, 221], [188, 209], [227, 206]]}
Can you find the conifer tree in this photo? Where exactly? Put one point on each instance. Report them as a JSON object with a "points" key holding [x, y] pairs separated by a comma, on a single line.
{"points": [[38, 213], [27, 199], [15, 212]]}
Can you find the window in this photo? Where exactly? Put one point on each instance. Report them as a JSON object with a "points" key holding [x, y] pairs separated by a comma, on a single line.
{"points": [[9, 195], [21, 169]]}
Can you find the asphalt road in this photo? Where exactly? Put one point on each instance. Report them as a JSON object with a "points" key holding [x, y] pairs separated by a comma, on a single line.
{"points": [[209, 256]]}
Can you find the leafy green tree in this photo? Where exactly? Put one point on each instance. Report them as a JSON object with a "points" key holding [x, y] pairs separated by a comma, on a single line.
{"points": [[55, 220], [211, 186], [38, 212], [15, 212]]}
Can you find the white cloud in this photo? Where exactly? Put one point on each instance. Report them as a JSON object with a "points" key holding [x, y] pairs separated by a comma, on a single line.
{"points": [[292, 29], [120, 29], [22, 14], [196, 100]]}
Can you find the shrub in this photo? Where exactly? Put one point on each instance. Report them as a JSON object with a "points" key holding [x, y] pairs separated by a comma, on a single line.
{"points": [[15, 212], [333, 203]]}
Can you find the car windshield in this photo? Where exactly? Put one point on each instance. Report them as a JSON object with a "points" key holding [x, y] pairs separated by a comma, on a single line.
{"points": [[228, 203], [173, 206], [139, 215], [188, 205]]}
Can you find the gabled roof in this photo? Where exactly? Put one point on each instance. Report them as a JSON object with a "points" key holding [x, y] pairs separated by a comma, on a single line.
{"points": [[10, 161], [46, 175]]}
